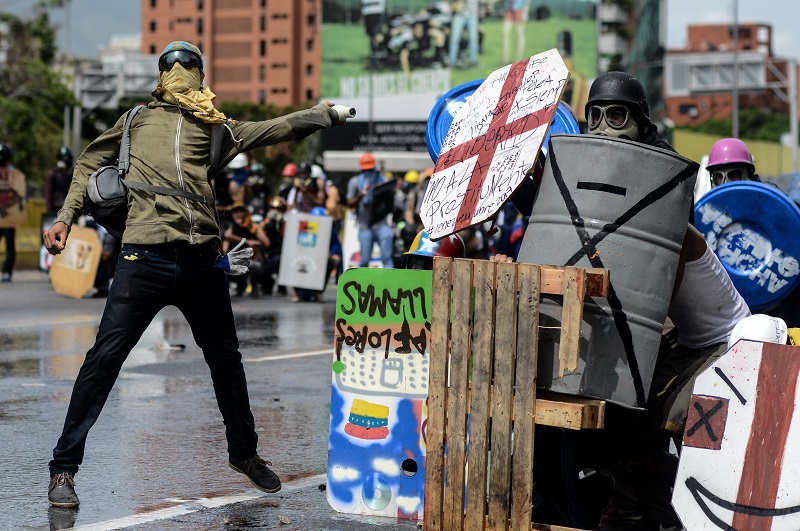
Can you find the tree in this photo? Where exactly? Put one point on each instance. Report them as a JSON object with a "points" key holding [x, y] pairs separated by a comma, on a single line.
{"points": [[32, 95]]}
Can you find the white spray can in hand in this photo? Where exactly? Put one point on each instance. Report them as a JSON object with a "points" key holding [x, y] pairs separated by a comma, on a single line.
{"points": [[344, 112]]}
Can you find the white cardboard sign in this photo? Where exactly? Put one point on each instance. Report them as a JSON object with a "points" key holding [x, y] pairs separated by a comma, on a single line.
{"points": [[305, 250], [740, 462], [493, 140]]}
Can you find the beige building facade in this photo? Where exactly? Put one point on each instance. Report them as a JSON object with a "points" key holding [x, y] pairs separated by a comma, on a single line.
{"points": [[256, 51]]}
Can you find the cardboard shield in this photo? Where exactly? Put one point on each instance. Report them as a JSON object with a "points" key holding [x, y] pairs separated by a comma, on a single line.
{"points": [[493, 140], [305, 250], [376, 447], [739, 466], [73, 271], [12, 198], [623, 206]]}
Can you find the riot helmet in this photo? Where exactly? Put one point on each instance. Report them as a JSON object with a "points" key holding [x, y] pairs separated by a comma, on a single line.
{"points": [[304, 168], [617, 107], [422, 250], [64, 156], [5, 154], [730, 160]]}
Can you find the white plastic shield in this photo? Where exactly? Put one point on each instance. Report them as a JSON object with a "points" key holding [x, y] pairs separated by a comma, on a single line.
{"points": [[740, 462], [493, 140], [305, 250]]}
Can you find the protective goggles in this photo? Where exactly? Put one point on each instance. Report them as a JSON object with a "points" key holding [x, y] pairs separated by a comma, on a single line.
{"points": [[186, 58], [731, 174], [616, 115]]}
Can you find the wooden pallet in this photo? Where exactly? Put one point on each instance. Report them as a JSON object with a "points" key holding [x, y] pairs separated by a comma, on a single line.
{"points": [[484, 315]]}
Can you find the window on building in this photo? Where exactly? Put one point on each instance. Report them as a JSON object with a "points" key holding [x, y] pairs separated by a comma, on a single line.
{"points": [[280, 65], [263, 3], [152, 26], [152, 50], [199, 26], [262, 97], [262, 72], [262, 23], [311, 20], [280, 16], [309, 95], [199, 5], [310, 45], [263, 47], [279, 90], [280, 41], [309, 69], [152, 3], [688, 109]]}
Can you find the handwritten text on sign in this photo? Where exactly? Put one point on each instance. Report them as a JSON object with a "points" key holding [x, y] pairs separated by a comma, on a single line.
{"points": [[493, 140]]}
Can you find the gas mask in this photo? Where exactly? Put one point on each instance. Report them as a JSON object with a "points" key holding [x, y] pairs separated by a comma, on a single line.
{"points": [[614, 120]]}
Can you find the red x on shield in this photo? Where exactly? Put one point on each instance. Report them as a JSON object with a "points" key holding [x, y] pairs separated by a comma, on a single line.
{"points": [[505, 176]]}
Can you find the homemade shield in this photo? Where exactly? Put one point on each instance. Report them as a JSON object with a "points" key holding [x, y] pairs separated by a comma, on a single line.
{"points": [[305, 250], [73, 271], [376, 447], [492, 141], [752, 227], [623, 206], [739, 466]]}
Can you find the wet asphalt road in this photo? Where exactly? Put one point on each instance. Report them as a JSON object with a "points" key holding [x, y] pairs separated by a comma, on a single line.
{"points": [[156, 459]]}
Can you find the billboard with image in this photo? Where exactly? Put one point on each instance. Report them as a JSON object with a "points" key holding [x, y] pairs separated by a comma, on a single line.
{"points": [[394, 58]]}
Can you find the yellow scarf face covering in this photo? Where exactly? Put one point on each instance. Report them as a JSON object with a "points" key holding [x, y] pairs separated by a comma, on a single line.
{"points": [[185, 88]]}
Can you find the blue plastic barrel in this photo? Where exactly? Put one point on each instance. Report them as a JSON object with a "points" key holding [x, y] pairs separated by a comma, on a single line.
{"points": [[752, 227], [446, 108]]}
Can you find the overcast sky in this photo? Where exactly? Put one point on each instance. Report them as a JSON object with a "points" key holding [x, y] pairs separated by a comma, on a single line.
{"points": [[93, 22]]}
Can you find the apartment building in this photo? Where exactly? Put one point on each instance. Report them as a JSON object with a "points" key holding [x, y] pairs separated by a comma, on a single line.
{"points": [[700, 77], [257, 51]]}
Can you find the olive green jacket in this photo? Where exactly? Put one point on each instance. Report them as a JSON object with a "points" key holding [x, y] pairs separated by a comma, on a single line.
{"points": [[170, 147]]}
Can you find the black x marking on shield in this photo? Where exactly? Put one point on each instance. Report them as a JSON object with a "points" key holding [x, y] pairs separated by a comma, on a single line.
{"points": [[589, 250], [704, 420]]}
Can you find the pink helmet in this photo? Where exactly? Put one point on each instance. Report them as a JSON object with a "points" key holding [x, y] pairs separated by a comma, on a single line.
{"points": [[730, 151]]}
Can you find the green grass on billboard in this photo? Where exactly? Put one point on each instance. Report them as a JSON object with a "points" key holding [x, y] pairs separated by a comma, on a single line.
{"points": [[346, 51]]}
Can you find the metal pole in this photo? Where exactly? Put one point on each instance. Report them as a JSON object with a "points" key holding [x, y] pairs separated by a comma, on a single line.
{"points": [[793, 110], [76, 112], [735, 95], [67, 40]]}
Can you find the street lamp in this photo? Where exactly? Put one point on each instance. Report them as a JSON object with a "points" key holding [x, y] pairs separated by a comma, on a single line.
{"points": [[735, 94]]}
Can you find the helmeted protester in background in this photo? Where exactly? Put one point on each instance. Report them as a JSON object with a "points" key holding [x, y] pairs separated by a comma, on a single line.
{"points": [[371, 229], [288, 174], [12, 208], [729, 160], [255, 237], [171, 255], [57, 181], [422, 250], [273, 226], [239, 179]]}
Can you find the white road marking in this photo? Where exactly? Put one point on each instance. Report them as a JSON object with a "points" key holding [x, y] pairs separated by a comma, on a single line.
{"points": [[293, 356], [192, 506]]}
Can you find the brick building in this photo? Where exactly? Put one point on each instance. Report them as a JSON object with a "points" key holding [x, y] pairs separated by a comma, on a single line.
{"points": [[699, 79], [254, 50]]}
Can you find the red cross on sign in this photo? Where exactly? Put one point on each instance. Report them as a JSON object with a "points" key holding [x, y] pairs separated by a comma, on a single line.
{"points": [[493, 140]]}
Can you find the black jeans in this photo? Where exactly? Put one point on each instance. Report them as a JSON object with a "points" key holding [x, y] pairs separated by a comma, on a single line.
{"points": [[148, 278], [11, 249]]}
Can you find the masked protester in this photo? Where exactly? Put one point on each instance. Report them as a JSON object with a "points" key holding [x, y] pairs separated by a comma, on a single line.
{"points": [[729, 160], [631, 454], [171, 255]]}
